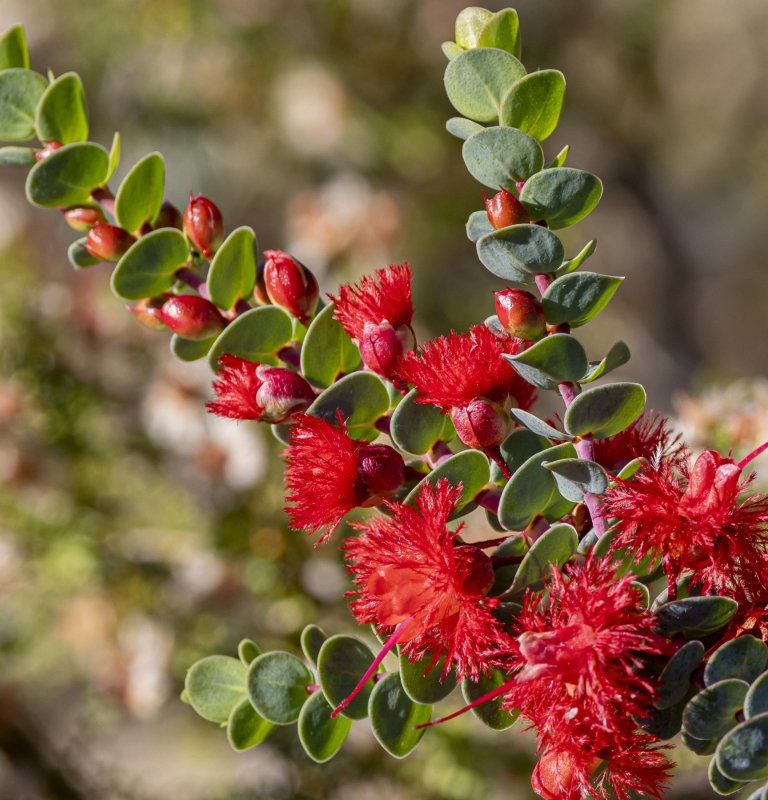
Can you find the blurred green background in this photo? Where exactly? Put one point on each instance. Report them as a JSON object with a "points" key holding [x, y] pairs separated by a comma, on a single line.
{"points": [[138, 534]]}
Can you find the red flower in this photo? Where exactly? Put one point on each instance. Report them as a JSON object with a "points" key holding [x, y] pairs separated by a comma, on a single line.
{"points": [[693, 518], [415, 580], [377, 313], [246, 390], [649, 437], [328, 474]]}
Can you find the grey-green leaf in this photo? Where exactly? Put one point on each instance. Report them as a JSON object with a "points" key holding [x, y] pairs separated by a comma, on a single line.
{"points": [[423, 681], [606, 410], [214, 686], [470, 23], [461, 127], [246, 728], [478, 225], [538, 426], [395, 717], [277, 686], [578, 297], [312, 639], [79, 257], [744, 658], [712, 712], [361, 398], [756, 701], [617, 356], [502, 30], [20, 92], [518, 252], [257, 335], [248, 651], [469, 467], [675, 678], [572, 264], [578, 476], [743, 753], [502, 156], [341, 663], [189, 350], [140, 195], [695, 616], [561, 196], [320, 735], [233, 270], [17, 157], [416, 427], [533, 104], [558, 358]]}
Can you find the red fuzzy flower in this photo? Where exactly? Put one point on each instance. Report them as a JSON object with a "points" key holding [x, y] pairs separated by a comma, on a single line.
{"points": [[377, 313], [694, 519], [649, 437], [414, 580], [247, 390], [328, 474]]}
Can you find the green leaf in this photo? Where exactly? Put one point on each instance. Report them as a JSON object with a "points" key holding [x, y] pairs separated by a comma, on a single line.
{"points": [[188, 350], [604, 411], [559, 159], [233, 270], [462, 128], [538, 426], [114, 157], [61, 114], [579, 297], [68, 176], [246, 727], [502, 156], [277, 686], [248, 651], [744, 658], [17, 157], [702, 747], [416, 427], [502, 30], [478, 225], [470, 24], [214, 686], [756, 701], [534, 103], [519, 251], [675, 678], [695, 616], [558, 358], [519, 446], [712, 712], [20, 92], [394, 716], [312, 639], [14, 53], [469, 467], [451, 49], [644, 592], [743, 753], [576, 477], [79, 257], [477, 80], [342, 662], [561, 196], [327, 351], [320, 736], [554, 547], [257, 335], [504, 575], [422, 680], [572, 264], [489, 713], [362, 399], [617, 356], [531, 488], [150, 265], [720, 783], [664, 723], [141, 193], [630, 469]]}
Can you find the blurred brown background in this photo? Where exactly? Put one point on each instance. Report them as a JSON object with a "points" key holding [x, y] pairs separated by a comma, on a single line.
{"points": [[137, 534]]}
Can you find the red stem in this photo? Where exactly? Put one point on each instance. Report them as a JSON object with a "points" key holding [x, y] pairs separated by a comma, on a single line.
{"points": [[492, 695], [494, 453], [754, 454]]}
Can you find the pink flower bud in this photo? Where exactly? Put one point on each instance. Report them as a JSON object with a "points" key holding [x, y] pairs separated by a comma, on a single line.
{"points": [[108, 242], [382, 347], [282, 393], [48, 149], [481, 424], [521, 314], [505, 209], [203, 225], [83, 218], [169, 217], [192, 317], [381, 469], [290, 284], [147, 312]]}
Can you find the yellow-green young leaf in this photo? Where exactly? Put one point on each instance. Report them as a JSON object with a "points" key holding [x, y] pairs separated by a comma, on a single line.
{"points": [[360, 397], [233, 270], [14, 53], [327, 350], [20, 92], [451, 49], [533, 104], [62, 115], [395, 717], [114, 157], [502, 156], [150, 265], [320, 735], [561, 196], [258, 335], [214, 686], [68, 176], [140, 194], [502, 30], [277, 686], [469, 26], [246, 727]]}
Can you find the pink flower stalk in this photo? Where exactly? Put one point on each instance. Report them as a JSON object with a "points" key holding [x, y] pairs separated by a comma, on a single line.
{"points": [[377, 313]]}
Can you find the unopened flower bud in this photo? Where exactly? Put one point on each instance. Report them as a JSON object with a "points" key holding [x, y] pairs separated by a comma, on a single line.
{"points": [[290, 284], [554, 776], [48, 149], [191, 317], [381, 469], [147, 312], [168, 217], [203, 225], [504, 209], [521, 314], [108, 242], [382, 347], [481, 424], [476, 570], [282, 393], [83, 218]]}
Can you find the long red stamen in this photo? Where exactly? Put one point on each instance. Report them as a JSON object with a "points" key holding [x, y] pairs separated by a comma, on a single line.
{"points": [[754, 454], [492, 695]]}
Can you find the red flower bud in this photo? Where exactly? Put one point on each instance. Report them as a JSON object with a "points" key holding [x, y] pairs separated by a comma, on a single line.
{"points": [[169, 217], [382, 347], [505, 209], [282, 393], [203, 225], [476, 570], [48, 149], [108, 242], [290, 284], [191, 317], [521, 314], [381, 469], [481, 424], [147, 312], [83, 218]]}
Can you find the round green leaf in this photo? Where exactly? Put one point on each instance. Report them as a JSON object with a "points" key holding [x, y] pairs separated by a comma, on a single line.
{"points": [[247, 651], [233, 270], [423, 681], [342, 662], [489, 713], [189, 350], [719, 782], [554, 547], [469, 26], [20, 92], [675, 678], [744, 658], [141, 193], [361, 397], [17, 157], [214, 686], [68, 176], [150, 265], [604, 411], [756, 701], [664, 723], [476, 81], [320, 736], [451, 49], [416, 427], [469, 467], [518, 252], [538, 426], [702, 747], [502, 157], [478, 225], [312, 639], [14, 53], [394, 716], [327, 350], [62, 115], [277, 686], [534, 103], [579, 297], [246, 727], [79, 257], [695, 616], [558, 358], [462, 128], [561, 196], [502, 30], [617, 356], [257, 335], [576, 477], [743, 753]]}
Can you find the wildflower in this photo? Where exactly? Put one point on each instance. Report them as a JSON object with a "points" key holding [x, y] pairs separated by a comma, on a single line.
{"points": [[649, 437], [328, 474], [377, 313], [247, 390]]}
